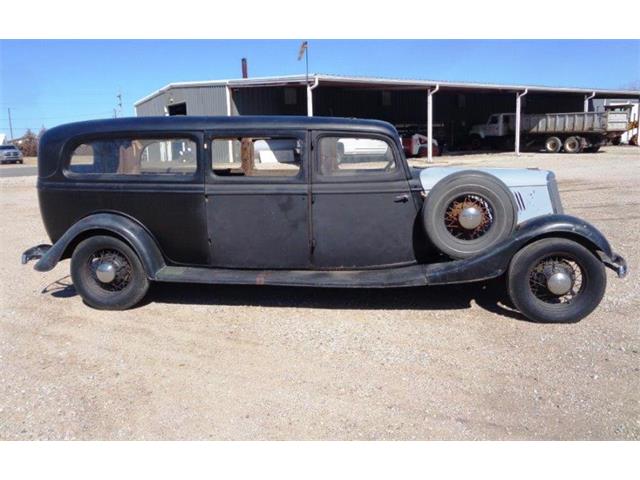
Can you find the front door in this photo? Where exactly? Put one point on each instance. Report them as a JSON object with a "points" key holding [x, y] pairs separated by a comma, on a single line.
{"points": [[257, 201], [363, 213]]}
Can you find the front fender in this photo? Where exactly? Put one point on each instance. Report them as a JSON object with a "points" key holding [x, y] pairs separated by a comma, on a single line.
{"points": [[496, 261], [132, 232]]}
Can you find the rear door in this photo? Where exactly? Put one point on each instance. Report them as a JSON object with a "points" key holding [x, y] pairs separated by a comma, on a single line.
{"points": [[257, 200], [362, 210]]}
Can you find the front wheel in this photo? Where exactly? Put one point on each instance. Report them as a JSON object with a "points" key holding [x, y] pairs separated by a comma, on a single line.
{"points": [[556, 280], [108, 274]]}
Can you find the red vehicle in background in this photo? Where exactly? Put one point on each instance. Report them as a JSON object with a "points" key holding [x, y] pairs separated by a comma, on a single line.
{"points": [[416, 146]]}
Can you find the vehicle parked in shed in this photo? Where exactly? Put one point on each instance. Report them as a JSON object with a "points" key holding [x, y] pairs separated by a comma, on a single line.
{"points": [[301, 201], [569, 132]]}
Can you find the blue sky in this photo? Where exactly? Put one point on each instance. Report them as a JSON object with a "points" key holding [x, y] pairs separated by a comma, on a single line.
{"points": [[49, 82]]}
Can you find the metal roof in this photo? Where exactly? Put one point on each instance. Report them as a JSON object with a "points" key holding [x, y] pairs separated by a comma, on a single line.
{"points": [[391, 83]]}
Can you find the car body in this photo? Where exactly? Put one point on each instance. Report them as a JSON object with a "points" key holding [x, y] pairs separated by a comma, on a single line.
{"points": [[10, 154], [298, 201]]}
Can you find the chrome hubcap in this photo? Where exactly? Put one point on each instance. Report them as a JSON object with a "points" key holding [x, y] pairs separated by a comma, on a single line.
{"points": [[106, 272], [470, 217], [559, 283], [556, 280], [110, 269]]}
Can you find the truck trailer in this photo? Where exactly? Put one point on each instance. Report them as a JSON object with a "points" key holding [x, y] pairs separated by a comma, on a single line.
{"points": [[569, 132]]}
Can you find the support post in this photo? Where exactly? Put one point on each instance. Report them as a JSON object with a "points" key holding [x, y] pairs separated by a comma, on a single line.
{"points": [[310, 96], [430, 93], [230, 142], [586, 101], [517, 129]]}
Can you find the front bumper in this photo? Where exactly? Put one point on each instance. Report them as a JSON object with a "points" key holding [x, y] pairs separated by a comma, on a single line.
{"points": [[617, 263]]}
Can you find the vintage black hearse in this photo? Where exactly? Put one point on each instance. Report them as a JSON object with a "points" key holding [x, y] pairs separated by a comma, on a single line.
{"points": [[322, 202]]}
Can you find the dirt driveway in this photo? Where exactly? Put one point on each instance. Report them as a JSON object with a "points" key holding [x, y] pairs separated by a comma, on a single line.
{"points": [[207, 362]]}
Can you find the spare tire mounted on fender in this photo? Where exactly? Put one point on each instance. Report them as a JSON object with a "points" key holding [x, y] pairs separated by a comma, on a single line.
{"points": [[468, 212]]}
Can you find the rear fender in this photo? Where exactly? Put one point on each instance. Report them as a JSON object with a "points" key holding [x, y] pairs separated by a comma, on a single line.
{"points": [[129, 230]]}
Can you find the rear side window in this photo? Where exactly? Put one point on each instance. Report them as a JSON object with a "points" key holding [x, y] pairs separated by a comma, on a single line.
{"points": [[341, 156], [135, 157], [256, 157]]}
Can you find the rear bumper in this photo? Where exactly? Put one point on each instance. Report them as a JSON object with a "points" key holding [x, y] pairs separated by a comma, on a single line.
{"points": [[35, 253], [616, 263]]}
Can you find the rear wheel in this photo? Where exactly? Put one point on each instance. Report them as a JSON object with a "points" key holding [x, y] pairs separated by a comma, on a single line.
{"points": [[553, 145], [475, 142], [556, 280], [572, 145], [108, 274]]}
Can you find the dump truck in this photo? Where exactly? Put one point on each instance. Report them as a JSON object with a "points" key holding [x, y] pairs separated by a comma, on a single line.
{"points": [[573, 132]]}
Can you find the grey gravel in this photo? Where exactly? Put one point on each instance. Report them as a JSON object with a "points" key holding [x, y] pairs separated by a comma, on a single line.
{"points": [[213, 362]]}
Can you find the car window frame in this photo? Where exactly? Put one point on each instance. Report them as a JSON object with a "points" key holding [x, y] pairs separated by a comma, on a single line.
{"points": [[224, 134], [70, 146], [373, 176]]}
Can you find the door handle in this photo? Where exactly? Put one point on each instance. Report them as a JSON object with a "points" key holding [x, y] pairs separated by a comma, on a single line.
{"points": [[401, 198]]}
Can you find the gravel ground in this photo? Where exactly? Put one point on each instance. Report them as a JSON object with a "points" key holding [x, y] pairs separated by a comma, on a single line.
{"points": [[212, 362]]}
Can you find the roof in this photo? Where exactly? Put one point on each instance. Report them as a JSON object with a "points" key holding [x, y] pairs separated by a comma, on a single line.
{"points": [[390, 83], [219, 123]]}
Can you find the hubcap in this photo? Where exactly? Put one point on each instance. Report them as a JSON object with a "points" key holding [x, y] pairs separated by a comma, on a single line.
{"points": [[470, 217], [559, 283], [110, 269], [556, 280], [106, 272]]}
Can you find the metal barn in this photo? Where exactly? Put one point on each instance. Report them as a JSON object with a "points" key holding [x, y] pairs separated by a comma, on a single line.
{"points": [[438, 109]]}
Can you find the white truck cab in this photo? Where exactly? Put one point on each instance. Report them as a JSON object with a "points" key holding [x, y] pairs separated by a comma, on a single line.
{"points": [[498, 125]]}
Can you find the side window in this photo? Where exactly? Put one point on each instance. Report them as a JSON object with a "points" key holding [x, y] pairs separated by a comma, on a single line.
{"points": [[351, 155], [135, 157], [256, 157]]}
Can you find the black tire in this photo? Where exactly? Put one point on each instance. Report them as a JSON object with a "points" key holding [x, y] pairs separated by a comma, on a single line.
{"points": [[552, 145], [616, 140], [573, 145], [530, 295], [131, 283], [592, 149], [443, 204], [475, 141]]}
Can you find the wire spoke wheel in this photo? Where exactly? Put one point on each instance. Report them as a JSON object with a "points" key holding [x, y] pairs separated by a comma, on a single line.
{"points": [[110, 269], [560, 269], [469, 217]]}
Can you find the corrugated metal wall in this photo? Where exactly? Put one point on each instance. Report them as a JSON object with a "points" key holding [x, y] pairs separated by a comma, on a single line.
{"points": [[211, 100]]}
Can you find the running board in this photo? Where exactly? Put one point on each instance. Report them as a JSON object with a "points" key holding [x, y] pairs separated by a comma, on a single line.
{"points": [[409, 276], [458, 271]]}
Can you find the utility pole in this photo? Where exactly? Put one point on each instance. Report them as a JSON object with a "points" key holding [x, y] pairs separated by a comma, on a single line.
{"points": [[10, 124], [304, 50], [119, 110]]}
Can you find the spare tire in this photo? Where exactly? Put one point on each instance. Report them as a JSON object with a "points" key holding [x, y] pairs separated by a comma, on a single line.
{"points": [[468, 212]]}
